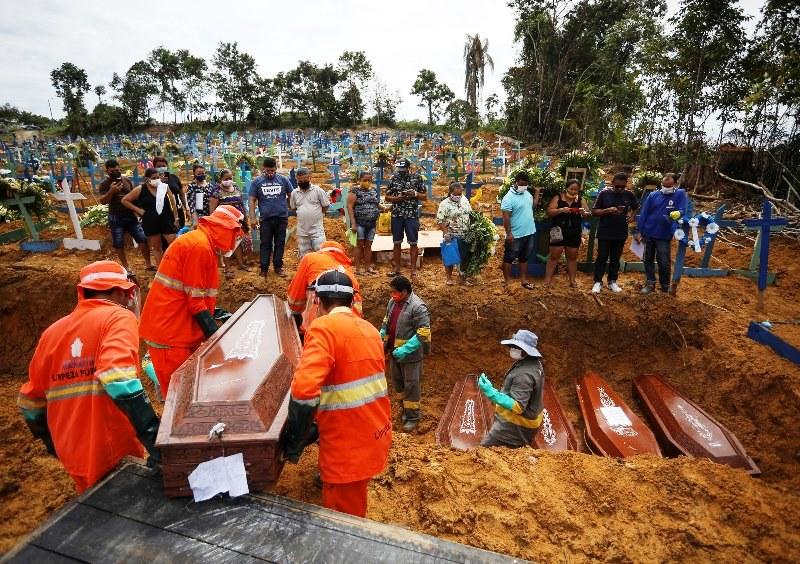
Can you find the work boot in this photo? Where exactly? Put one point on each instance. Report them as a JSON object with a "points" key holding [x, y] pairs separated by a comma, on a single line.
{"points": [[648, 289], [403, 416], [409, 426]]}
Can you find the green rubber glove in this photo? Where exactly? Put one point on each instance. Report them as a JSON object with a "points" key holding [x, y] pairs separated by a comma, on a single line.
{"points": [[407, 348], [495, 396], [144, 421]]}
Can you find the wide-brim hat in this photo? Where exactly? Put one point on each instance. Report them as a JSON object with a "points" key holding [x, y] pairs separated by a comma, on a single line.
{"points": [[227, 217], [526, 340]]}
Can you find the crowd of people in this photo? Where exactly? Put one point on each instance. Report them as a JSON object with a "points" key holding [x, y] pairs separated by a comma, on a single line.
{"points": [[83, 388]]}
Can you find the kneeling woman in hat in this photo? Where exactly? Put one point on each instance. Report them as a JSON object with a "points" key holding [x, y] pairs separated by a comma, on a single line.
{"points": [[518, 404]]}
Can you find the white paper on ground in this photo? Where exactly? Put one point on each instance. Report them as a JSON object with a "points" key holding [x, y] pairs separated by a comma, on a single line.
{"points": [[220, 475], [637, 248], [615, 417]]}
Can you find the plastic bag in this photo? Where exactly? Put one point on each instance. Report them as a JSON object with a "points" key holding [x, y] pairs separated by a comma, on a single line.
{"points": [[450, 254]]}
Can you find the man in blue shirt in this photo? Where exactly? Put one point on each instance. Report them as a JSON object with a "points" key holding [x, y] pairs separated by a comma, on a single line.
{"points": [[517, 207], [270, 193], [656, 226]]}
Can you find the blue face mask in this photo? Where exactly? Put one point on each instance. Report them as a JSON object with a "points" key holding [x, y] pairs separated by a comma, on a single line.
{"points": [[200, 177]]}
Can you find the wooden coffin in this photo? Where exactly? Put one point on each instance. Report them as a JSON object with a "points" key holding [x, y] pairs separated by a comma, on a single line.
{"points": [[556, 432], [682, 427], [467, 416], [239, 377], [612, 429]]}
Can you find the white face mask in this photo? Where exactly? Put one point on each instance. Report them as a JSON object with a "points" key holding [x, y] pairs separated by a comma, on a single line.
{"points": [[155, 182], [235, 246], [515, 353], [227, 183], [455, 198], [519, 189]]}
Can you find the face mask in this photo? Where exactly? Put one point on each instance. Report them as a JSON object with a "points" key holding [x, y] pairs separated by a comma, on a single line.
{"points": [[366, 183], [162, 169], [200, 177], [269, 175], [155, 182], [304, 185], [515, 353], [227, 183], [235, 246], [397, 296], [133, 301], [455, 199], [116, 175], [665, 190]]}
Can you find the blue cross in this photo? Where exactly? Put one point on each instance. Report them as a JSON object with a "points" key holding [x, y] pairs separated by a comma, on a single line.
{"points": [[765, 224], [469, 185]]}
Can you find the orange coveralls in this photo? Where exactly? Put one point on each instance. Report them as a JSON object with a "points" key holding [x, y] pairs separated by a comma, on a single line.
{"points": [[77, 357], [330, 257], [186, 283], [342, 370]]}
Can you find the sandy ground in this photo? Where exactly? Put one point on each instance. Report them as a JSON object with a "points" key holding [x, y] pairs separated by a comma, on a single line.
{"points": [[527, 503]]}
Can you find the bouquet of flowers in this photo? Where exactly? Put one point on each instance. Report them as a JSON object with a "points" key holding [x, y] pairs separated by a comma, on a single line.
{"points": [[481, 236]]}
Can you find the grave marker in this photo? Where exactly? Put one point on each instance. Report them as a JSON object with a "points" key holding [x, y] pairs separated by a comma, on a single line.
{"points": [[79, 243], [765, 224]]}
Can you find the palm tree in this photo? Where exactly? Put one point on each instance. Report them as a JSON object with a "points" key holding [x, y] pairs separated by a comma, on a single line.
{"points": [[476, 57]]}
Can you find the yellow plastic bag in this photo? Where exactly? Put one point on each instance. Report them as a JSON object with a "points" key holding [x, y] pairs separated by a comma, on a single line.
{"points": [[385, 223]]}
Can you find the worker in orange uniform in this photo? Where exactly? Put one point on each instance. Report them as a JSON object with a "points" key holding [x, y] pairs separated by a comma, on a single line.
{"points": [[330, 256], [83, 397], [341, 381], [178, 314]]}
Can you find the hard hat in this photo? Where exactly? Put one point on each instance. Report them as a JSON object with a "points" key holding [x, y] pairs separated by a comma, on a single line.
{"points": [[332, 245], [225, 216], [334, 284], [104, 275]]}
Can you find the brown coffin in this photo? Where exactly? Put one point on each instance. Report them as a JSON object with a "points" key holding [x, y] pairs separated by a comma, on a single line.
{"points": [[467, 417], [556, 432], [239, 377], [682, 427], [612, 429]]}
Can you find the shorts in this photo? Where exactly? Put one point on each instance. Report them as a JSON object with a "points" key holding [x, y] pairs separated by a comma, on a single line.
{"points": [[365, 232], [309, 243], [155, 224], [520, 248], [409, 225], [120, 224], [572, 238]]}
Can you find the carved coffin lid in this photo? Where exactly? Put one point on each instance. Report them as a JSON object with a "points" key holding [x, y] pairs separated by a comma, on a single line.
{"points": [[612, 429], [684, 428], [239, 377], [467, 417], [556, 432]]}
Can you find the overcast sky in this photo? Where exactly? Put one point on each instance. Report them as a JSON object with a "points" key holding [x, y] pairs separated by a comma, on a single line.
{"points": [[399, 39]]}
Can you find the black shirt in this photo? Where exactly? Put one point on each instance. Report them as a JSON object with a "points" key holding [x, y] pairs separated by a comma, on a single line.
{"points": [[614, 227]]}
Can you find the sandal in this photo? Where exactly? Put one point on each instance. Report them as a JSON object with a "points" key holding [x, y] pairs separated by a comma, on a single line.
{"points": [[450, 283], [527, 285], [393, 273]]}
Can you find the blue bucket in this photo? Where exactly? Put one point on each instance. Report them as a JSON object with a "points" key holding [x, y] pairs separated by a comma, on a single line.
{"points": [[450, 254]]}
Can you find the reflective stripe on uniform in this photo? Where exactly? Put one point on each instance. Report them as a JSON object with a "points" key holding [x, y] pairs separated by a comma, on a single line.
{"points": [[400, 342], [114, 374], [411, 404], [73, 390], [200, 292], [519, 420], [27, 402], [425, 333], [353, 394], [313, 402], [167, 281]]}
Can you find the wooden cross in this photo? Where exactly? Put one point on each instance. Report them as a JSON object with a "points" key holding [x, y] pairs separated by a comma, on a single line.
{"points": [[26, 217], [427, 168], [79, 243], [469, 185], [765, 224]]}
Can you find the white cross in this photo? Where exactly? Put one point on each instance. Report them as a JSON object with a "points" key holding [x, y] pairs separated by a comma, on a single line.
{"points": [[280, 156], [80, 243]]}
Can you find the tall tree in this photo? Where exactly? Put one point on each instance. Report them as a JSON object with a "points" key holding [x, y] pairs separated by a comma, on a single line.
{"points": [[71, 84], [100, 91], [168, 72], [234, 79], [195, 83], [134, 91], [355, 71], [476, 57], [433, 94], [310, 90]]}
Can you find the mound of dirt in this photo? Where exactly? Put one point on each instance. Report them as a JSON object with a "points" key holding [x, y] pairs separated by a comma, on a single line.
{"points": [[526, 503]]}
